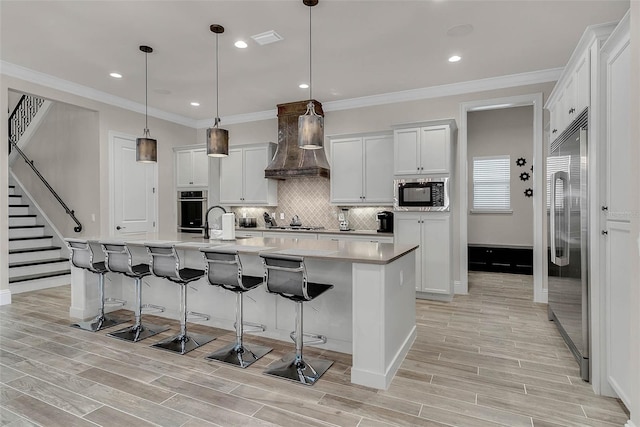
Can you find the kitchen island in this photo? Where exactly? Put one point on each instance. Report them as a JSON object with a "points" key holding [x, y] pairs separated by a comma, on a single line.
{"points": [[370, 312]]}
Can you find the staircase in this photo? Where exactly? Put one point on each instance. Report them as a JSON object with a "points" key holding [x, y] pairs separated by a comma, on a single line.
{"points": [[34, 261]]}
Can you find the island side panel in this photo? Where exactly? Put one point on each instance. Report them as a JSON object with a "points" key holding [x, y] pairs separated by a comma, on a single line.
{"points": [[383, 319]]}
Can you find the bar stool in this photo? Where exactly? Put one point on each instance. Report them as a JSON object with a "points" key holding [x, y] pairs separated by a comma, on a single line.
{"points": [[223, 268], [81, 255], [287, 276], [118, 259], [165, 263]]}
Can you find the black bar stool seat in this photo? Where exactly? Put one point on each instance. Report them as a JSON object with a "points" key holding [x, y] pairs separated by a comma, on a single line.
{"points": [[287, 276], [223, 268], [165, 263], [81, 255], [118, 259]]}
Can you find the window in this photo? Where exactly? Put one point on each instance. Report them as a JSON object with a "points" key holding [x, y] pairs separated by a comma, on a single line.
{"points": [[491, 183]]}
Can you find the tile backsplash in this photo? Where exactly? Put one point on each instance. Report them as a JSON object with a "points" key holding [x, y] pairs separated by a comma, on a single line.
{"points": [[309, 199]]}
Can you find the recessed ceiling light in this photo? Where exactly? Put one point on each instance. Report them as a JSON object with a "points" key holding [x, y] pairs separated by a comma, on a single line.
{"points": [[195, 104], [240, 44], [116, 75], [303, 86], [454, 58]]}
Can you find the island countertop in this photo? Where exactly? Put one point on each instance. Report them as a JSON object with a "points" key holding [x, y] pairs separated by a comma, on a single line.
{"points": [[350, 251]]}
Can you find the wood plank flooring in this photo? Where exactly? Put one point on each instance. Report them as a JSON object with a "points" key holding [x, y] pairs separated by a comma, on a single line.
{"points": [[490, 358]]}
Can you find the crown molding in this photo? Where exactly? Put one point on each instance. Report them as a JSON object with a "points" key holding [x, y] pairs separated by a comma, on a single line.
{"points": [[472, 86], [46, 80]]}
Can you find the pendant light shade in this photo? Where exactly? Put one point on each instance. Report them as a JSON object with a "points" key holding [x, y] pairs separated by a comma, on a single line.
{"points": [[146, 147], [310, 124], [217, 139]]}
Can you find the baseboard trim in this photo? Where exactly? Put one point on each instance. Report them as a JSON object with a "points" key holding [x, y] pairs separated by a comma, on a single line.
{"points": [[458, 289], [630, 424], [5, 296]]}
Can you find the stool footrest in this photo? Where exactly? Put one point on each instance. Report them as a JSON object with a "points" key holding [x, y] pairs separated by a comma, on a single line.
{"points": [[194, 316], [315, 339], [306, 371], [137, 333], [239, 355], [114, 301], [251, 327], [151, 308]]}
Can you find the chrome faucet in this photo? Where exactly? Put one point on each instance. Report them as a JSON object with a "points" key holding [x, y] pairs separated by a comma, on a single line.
{"points": [[206, 219]]}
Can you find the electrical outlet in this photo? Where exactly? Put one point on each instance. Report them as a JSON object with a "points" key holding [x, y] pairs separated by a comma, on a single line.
{"points": [[273, 215], [341, 216], [281, 215]]}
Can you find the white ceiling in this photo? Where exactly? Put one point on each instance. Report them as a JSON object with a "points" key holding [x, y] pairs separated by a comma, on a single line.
{"points": [[360, 48]]}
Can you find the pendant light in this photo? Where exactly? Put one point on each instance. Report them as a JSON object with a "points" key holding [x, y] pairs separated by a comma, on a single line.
{"points": [[310, 124], [146, 147], [217, 138]]}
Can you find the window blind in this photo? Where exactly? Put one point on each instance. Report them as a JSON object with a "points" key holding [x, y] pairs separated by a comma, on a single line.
{"points": [[491, 183]]}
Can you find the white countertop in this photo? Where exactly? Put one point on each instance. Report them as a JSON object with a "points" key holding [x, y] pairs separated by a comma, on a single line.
{"points": [[351, 251]]}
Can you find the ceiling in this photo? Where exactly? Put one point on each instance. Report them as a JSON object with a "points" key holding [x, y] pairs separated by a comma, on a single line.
{"points": [[360, 48]]}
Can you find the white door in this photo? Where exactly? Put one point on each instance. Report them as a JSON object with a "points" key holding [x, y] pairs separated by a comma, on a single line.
{"points": [[378, 163], [346, 170], [255, 184], [231, 175], [407, 231], [134, 196]]}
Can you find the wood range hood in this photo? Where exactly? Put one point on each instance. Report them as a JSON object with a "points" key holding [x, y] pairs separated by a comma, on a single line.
{"points": [[290, 161]]}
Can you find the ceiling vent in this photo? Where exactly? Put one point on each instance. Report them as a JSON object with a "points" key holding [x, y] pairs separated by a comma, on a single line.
{"points": [[267, 37]]}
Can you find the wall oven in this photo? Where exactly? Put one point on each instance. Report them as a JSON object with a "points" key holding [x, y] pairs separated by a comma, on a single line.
{"points": [[192, 206], [421, 194]]}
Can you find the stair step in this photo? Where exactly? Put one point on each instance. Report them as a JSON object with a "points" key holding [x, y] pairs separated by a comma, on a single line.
{"points": [[30, 263], [30, 242], [26, 231], [35, 254], [39, 276], [22, 220], [18, 209], [18, 269]]}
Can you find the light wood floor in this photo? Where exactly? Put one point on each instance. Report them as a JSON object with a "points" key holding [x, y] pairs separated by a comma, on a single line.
{"points": [[488, 358]]}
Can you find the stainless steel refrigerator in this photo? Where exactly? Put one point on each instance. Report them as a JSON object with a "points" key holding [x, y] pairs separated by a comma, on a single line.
{"points": [[568, 249]]}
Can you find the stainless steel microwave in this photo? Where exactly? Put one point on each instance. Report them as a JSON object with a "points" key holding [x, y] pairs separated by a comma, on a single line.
{"points": [[421, 194]]}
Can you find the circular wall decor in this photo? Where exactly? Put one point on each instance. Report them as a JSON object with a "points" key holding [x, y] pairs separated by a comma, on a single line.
{"points": [[524, 176], [528, 192], [521, 161]]}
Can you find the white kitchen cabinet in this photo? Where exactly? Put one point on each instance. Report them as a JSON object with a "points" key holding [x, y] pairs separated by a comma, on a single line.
{"points": [[242, 180], [192, 168], [618, 210], [424, 148], [241, 232], [290, 235], [434, 265], [361, 172], [357, 238]]}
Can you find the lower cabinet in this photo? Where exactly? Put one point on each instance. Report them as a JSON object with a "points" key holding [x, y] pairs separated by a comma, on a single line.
{"points": [[356, 238], [434, 266], [290, 235]]}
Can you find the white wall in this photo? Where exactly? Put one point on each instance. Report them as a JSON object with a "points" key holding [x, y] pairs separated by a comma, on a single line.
{"points": [[507, 131], [68, 137], [634, 189]]}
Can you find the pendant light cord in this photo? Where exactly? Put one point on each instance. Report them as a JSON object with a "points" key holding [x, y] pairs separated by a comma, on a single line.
{"points": [[146, 94], [217, 119], [310, 85]]}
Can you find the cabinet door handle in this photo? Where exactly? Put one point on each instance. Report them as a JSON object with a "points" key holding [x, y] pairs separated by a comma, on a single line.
{"points": [[604, 208], [554, 131], [604, 232]]}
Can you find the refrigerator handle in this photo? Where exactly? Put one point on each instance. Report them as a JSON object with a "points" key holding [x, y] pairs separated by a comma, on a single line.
{"points": [[553, 230]]}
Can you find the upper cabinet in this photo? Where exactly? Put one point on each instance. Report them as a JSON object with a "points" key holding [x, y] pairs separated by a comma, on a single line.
{"points": [[361, 171], [424, 148], [192, 167], [572, 93], [242, 180]]}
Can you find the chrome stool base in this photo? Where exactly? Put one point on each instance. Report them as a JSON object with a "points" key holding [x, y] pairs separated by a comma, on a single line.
{"points": [[100, 322], [137, 333], [241, 356], [183, 343], [305, 371]]}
